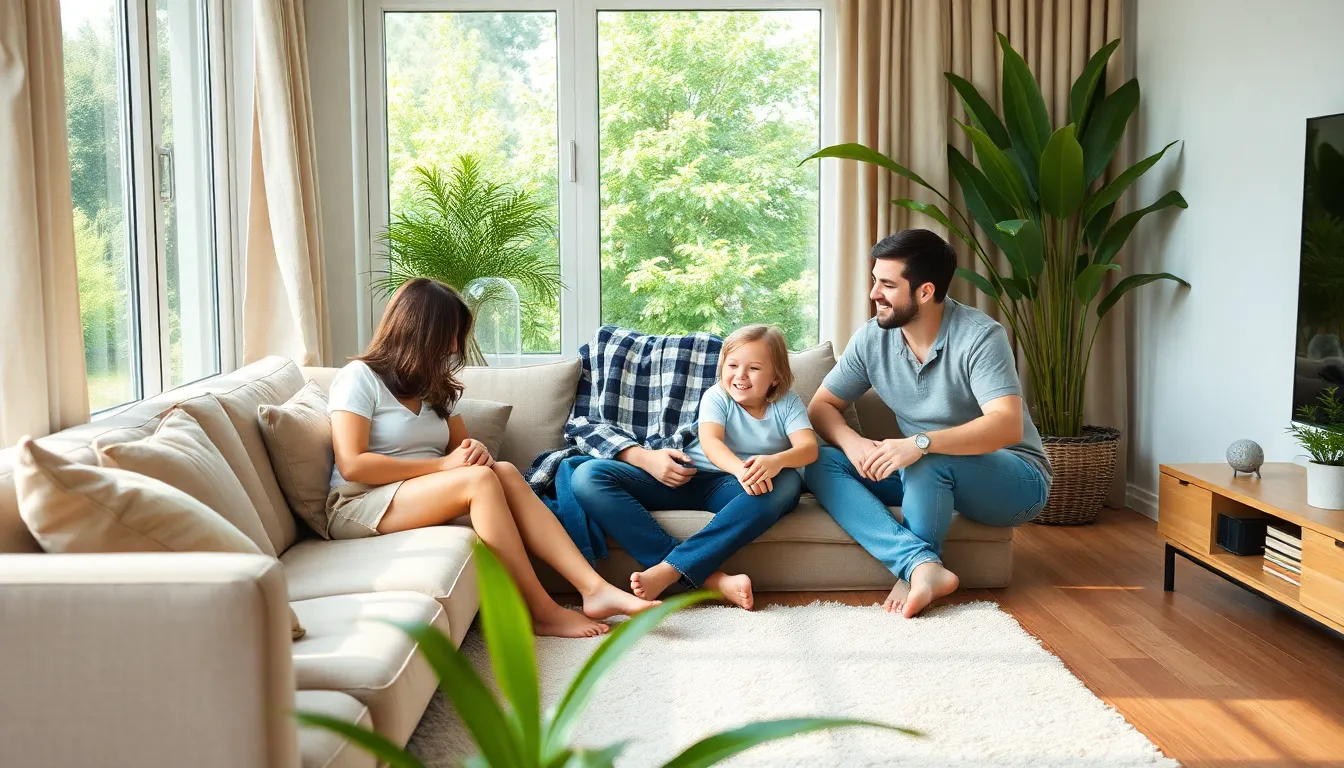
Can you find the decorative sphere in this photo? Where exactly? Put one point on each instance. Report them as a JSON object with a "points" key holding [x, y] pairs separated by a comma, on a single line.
{"points": [[1245, 456]]}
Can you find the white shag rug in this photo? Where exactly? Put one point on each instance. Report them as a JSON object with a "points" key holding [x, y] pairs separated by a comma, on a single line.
{"points": [[982, 690]]}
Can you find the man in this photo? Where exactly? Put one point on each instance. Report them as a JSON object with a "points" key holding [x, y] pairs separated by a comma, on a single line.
{"points": [[948, 373]]}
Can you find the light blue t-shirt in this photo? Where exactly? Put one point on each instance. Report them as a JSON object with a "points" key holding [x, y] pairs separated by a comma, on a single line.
{"points": [[744, 434]]}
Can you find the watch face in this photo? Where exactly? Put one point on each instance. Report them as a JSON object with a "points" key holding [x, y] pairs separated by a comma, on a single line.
{"points": [[921, 441]]}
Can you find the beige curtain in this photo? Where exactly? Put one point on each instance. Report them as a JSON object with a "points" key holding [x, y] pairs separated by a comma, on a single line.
{"points": [[42, 381], [285, 298], [891, 96]]}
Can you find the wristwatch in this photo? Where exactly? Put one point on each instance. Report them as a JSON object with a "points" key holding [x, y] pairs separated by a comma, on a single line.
{"points": [[922, 443]]}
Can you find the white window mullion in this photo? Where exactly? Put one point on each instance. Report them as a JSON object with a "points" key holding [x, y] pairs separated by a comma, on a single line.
{"points": [[150, 334], [228, 249], [586, 279]]}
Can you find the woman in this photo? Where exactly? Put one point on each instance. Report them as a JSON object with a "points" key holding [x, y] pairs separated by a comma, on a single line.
{"points": [[403, 460]]}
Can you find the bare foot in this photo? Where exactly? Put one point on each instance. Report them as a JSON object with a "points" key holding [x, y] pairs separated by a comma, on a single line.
{"points": [[650, 584], [896, 599], [735, 589], [609, 601], [928, 582], [563, 622]]}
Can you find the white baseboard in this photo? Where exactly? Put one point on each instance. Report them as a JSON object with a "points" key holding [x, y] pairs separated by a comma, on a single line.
{"points": [[1141, 500]]}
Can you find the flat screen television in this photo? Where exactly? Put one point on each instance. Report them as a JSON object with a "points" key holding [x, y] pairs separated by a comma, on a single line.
{"points": [[1320, 295]]}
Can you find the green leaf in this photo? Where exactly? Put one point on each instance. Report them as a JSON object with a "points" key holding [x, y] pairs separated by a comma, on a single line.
{"points": [[507, 627], [721, 746], [372, 742], [1082, 94], [1081, 263], [1062, 185], [565, 717], [935, 213], [1112, 191], [981, 113], [1024, 111], [1030, 246], [1129, 284], [873, 157], [1002, 173], [1096, 226], [1008, 287], [985, 205], [1106, 128], [596, 758], [979, 281], [1088, 284], [1115, 237], [474, 704]]}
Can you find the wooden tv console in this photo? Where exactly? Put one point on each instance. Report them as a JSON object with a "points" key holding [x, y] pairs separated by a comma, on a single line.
{"points": [[1192, 496]]}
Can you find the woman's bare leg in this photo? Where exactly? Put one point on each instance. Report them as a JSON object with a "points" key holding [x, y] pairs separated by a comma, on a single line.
{"points": [[442, 496], [546, 538]]}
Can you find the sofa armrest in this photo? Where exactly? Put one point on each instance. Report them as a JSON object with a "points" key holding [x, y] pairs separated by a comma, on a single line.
{"points": [[145, 660]]}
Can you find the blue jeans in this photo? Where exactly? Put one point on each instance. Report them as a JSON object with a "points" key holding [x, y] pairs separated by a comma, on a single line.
{"points": [[619, 496], [999, 489]]}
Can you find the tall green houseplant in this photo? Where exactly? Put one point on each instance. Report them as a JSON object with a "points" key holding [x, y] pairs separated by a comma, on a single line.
{"points": [[461, 226], [1034, 193]]}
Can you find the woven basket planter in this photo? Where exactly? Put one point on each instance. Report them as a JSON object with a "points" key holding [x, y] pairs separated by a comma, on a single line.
{"points": [[1083, 469]]}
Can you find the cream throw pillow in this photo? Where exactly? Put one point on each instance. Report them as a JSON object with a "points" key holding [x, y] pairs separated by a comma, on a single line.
{"points": [[486, 420], [76, 508], [180, 454], [298, 439]]}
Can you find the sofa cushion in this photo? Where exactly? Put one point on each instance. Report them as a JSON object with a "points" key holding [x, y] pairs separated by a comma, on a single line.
{"points": [[298, 440], [349, 648], [180, 454], [542, 397], [320, 748], [486, 421], [810, 367], [435, 562]]}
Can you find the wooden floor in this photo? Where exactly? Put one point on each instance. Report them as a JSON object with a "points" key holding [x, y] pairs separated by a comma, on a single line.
{"points": [[1212, 674]]}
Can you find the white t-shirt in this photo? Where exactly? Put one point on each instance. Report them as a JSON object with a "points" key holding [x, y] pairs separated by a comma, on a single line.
{"points": [[393, 429]]}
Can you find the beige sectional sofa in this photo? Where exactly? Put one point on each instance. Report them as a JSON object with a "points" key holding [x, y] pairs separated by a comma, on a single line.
{"points": [[152, 660]]}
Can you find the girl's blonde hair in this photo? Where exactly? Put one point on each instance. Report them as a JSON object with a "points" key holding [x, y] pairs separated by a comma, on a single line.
{"points": [[779, 355]]}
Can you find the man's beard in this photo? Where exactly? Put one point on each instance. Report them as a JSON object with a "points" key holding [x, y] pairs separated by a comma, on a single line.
{"points": [[899, 316]]}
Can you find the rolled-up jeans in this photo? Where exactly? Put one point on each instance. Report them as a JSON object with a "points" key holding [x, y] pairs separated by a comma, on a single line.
{"points": [[1000, 489], [619, 496]]}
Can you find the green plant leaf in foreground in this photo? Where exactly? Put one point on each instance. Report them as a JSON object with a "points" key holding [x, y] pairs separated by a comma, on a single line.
{"points": [[507, 627], [374, 743], [1107, 127], [1062, 186], [1115, 237], [865, 155], [565, 718], [1129, 284], [721, 746], [1085, 87], [979, 281], [935, 213], [595, 758], [1088, 283], [1112, 191]]}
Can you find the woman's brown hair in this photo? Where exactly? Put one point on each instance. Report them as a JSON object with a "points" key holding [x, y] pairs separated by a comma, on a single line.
{"points": [[421, 343], [779, 355]]}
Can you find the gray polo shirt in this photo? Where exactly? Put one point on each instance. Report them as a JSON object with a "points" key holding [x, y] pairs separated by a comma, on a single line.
{"points": [[970, 364]]}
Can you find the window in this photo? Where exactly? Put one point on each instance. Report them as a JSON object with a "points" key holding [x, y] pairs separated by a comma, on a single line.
{"points": [[666, 142], [142, 112]]}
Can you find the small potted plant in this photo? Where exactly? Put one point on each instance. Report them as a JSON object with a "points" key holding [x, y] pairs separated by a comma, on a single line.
{"points": [[1321, 434]]}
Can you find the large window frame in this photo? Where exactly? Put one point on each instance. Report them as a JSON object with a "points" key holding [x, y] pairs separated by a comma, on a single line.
{"points": [[577, 144], [149, 172]]}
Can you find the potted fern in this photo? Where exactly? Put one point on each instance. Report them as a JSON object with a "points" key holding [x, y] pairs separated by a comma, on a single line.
{"points": [[1320, 432], [519, 735], [461, 228], [1034, 194]]}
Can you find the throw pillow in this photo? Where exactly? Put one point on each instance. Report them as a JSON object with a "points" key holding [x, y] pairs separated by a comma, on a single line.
{"points": [[180, 454], [486, 420], [298, 439], [77, 508], [542, 397], [810, 367]]}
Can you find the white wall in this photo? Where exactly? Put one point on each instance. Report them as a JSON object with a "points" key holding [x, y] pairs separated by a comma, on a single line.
{"points": [[1236, 81]]}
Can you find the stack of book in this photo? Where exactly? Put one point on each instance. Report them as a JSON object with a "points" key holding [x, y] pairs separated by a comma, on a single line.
{"points": [[1283, 552]]}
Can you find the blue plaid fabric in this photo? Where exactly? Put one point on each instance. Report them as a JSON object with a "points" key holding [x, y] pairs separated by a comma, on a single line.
{"points": [[635, 389]]}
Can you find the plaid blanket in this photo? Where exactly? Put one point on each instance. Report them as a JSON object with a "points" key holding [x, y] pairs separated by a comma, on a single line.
{"points": [[635, 389]]}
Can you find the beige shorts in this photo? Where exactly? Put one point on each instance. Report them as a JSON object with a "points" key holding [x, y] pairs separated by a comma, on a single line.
{"points": [[354, 509]]}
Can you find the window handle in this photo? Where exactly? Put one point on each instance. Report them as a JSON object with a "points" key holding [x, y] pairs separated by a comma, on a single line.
{"points": [[573, 160], [165, 174]]}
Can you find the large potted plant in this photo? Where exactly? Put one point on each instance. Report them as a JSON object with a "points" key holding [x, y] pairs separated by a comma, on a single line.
{"points": [[1321, 435], [1034, 194], [484, 239], [520, 735]]}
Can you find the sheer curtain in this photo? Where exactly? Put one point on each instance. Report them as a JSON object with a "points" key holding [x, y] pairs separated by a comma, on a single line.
{"points": [[284, 274], [43, 388], [891, 96]]}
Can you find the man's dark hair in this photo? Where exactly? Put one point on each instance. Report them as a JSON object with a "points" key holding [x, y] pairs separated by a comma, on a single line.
{"points": [[927, 258]]}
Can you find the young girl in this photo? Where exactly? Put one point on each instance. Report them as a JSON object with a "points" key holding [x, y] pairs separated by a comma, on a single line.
{"points": [[404, 460], [754, 435]]}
